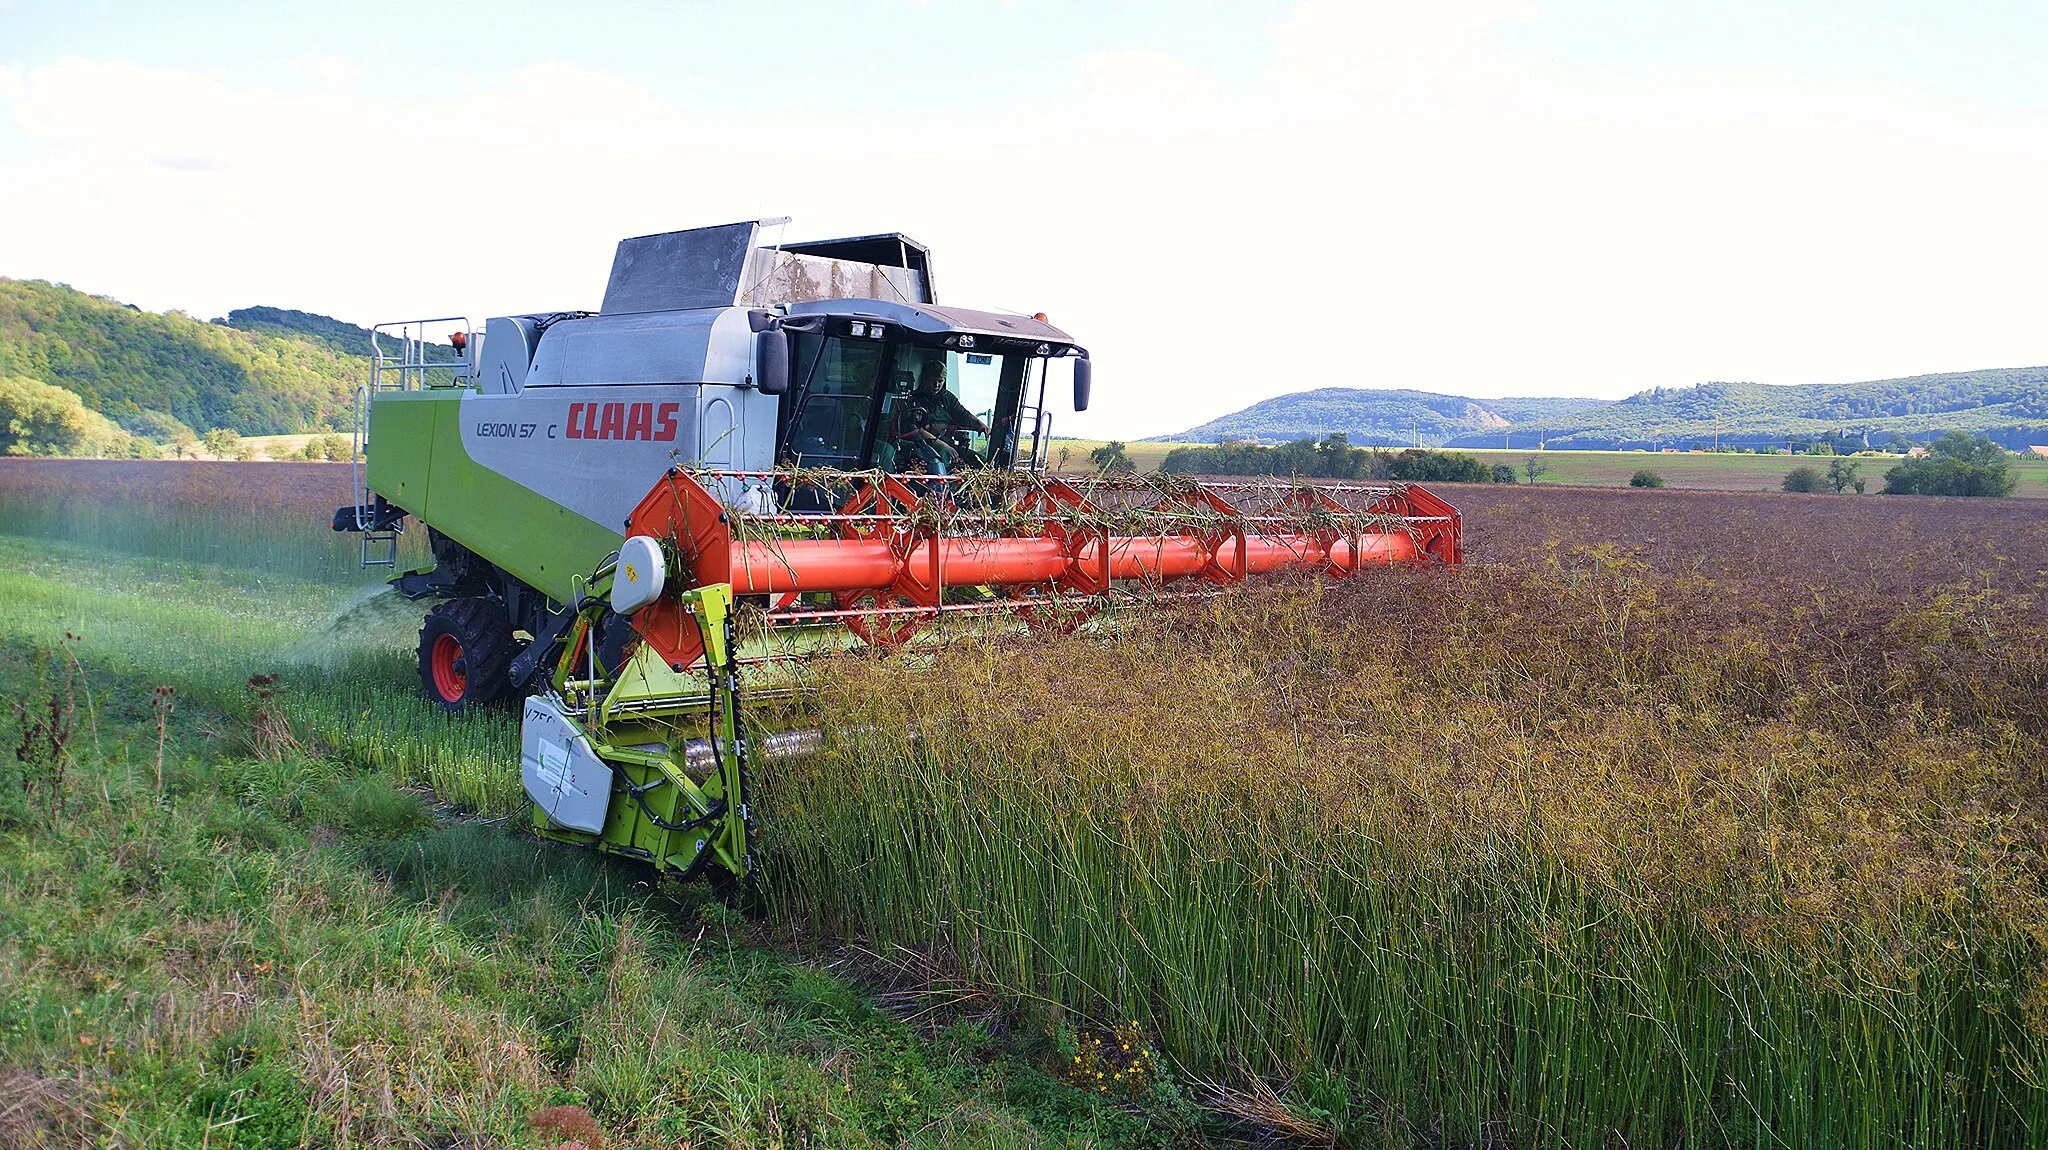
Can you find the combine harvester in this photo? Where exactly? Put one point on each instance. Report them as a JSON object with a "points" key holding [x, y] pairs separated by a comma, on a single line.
{"points": [[752, 452]]}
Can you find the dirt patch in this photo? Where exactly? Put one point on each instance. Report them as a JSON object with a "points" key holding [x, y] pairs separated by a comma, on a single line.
{"points": [[38, 1111]]}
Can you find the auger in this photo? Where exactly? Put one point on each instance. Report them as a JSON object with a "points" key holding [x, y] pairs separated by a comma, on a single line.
{"points": [[641, 517]]}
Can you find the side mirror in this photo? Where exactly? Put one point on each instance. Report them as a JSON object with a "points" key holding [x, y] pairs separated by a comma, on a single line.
{"points": [[771, 362], [1084, 382]]}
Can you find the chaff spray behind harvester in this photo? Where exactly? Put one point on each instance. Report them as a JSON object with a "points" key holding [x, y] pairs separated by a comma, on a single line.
{"points": [[790, 470]]}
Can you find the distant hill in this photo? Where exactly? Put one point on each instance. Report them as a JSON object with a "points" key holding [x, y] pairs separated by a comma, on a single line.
{"points": [[2008, 404], [1378, 418], [344, 338], [123, 361]]}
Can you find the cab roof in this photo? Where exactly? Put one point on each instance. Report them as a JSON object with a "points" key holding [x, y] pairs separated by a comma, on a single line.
{"points": [[931, 319]]}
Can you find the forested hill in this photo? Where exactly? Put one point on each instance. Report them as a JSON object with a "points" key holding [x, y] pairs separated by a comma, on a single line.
{"points": [[275, 378], [345, 338], [2008, 404], [1373, 417]]}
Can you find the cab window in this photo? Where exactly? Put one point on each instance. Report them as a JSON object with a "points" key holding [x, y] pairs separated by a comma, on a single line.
{"points": [[834, 402]]}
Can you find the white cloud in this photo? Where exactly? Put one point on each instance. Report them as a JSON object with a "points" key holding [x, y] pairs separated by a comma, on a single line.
{"points": [[1144, 75], [1387, 44], [328, 69]]}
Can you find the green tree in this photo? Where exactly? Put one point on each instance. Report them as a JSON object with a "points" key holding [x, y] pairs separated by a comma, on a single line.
{"points": [[38, 419], [224, 443], [1534, 468], [1421, 465], [1646, 478], [156, 426], [1842, 475], [1110, 459], [1502, 473], [1804, 479], [332, 448], [1955, 464]]}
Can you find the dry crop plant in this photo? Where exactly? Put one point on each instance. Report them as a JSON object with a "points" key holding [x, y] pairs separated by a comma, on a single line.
{"points": [[267, 517], [1583, 848]]}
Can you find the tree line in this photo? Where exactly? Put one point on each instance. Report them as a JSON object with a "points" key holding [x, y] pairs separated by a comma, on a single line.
{"points": [[1333, 457], [1955, 464]]}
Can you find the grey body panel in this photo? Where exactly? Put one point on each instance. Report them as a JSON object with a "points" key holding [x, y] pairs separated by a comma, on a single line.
{"points": [[612, 402], [506, 354], [542, 439], [708, 345], [562, 773]]}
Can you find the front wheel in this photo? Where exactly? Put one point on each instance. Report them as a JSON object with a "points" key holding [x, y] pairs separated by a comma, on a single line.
{"points": [[466, 651]]}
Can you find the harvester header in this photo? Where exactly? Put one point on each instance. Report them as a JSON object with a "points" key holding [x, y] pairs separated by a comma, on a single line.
{"points": [[901, 550]]}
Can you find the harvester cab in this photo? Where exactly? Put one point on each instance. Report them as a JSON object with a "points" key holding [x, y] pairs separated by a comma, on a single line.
{"points": [[753, 451]]}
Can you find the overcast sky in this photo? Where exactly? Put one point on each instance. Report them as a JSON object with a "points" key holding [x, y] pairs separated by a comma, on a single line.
{"points": [[1224, 201]]}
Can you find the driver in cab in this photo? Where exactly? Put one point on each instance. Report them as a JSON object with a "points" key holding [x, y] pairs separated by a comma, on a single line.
{"points": [[925, 420]]}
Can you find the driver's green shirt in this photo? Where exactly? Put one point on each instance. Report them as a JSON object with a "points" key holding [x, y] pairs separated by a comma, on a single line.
{"points": [[943, 409]]}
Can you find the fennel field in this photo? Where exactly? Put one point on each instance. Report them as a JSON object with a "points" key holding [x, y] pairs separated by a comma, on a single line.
{"points": [[1674, 819]]}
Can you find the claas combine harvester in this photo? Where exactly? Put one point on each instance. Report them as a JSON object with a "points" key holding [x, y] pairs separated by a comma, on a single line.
{"points": [[749, 454]]}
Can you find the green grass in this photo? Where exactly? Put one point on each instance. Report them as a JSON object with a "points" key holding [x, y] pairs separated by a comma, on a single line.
{"points": [[255, 942], [344, 654]]}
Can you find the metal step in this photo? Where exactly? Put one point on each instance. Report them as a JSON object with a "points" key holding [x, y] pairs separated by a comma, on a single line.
{"points": [[372, 540]]}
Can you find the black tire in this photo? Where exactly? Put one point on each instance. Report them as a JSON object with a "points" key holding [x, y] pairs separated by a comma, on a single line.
{"points": [[466, 650]]}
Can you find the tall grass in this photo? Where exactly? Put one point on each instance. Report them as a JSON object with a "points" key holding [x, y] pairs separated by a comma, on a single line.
{"points": [[343, 657], [1578, 854]]}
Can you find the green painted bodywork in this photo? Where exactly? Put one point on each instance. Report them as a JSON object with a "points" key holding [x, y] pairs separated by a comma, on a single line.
{"points": [[638, 724], [417, 462]]}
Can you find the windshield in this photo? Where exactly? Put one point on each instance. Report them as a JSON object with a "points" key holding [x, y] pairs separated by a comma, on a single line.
{"points": [[905, 407]]}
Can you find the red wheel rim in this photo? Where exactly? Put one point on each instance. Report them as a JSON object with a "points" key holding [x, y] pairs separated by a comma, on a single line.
{"points": [[449, 680]]}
